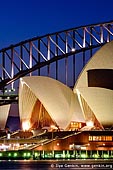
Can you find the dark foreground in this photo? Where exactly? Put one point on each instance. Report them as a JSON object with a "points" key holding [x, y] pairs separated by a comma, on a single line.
{"points": [[62, 164]]}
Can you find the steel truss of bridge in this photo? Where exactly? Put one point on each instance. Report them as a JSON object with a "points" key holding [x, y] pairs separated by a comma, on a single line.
{"points": [[60, 55]]}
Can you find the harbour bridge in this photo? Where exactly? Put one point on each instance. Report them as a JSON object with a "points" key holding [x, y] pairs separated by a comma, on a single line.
{"points": [[60, 55]]}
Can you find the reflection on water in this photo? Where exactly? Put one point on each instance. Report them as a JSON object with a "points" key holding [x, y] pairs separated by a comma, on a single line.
{"points": [[24, 165], [56, 165], [20, 165]]}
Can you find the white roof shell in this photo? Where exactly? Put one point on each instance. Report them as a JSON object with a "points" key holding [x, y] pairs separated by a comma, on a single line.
{"points": [[58, 99], [4, 111], [100, 100]]}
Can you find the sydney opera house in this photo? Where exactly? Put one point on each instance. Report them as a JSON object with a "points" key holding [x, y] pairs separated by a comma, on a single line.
{"points": [[78, 118], [44, 101]]}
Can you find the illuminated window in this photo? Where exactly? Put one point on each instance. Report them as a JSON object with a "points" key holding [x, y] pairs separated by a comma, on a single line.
{"points": [[108, 138], [25, 154], [28, 154], [90, 138], [100, 138], [15, 154], [95, 138], [9, 154], [103, 138]]}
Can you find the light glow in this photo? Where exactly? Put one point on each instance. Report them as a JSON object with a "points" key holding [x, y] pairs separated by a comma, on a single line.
{"points": [[90, 123], [73, 49], [26, 125], [54, 127], [4, 147]]}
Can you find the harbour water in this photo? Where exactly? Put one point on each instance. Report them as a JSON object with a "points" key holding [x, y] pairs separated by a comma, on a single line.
{"points": [[57, 165]]}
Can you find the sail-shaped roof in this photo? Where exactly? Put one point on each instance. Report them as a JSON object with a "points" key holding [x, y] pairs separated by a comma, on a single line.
{"points": [[4, 111], [95, 85], [58, 100]]}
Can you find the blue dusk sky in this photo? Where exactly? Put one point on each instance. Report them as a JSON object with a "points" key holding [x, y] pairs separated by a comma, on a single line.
{"points": [[24, 19]]}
